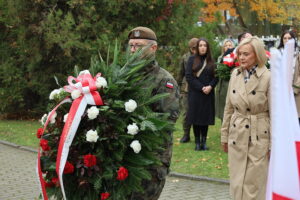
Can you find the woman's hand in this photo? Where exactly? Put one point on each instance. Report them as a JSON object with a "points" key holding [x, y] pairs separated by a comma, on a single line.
{"points": [[206, 89], [225, 147]]}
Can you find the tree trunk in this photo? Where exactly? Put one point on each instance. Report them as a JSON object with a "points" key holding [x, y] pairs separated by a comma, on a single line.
{"points": [[222, 32], [240, 18], [227, 24]]}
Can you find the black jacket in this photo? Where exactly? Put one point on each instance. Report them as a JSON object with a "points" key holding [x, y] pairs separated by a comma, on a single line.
{"points": [[201, 106]]}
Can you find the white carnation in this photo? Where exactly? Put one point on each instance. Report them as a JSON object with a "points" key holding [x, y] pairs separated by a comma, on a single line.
{"points": [[44, 119], [75, 94], [55, 93], [52, 120], [132, 129], [66, 117], [93, 112], [130, 105], [101, 82], [92, 136], [84, 72], [136, 146]]}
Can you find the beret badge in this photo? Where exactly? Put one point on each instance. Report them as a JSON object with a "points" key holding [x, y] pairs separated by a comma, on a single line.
{"points": [[137, 33]]}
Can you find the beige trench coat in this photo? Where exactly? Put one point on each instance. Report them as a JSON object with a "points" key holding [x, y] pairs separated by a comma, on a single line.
{"points": [[296, 84], [246, 129]]}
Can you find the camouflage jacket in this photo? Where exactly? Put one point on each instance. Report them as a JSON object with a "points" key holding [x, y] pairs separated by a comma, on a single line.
{"points": [[163, 82], [181, 76]]}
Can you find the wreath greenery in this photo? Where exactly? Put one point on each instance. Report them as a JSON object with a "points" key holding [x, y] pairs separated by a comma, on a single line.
{"points": [[115, 159], [224, 71]]}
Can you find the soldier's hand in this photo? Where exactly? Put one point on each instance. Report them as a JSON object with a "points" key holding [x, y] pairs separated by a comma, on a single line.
{"points": [[225, 147]]}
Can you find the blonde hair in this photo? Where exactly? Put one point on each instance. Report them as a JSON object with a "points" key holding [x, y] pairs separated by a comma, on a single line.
{"points": [[258, 47], [224, 42]]}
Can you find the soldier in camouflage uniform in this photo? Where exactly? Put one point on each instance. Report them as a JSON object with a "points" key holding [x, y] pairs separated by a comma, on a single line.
{"points": [[184, 89], [164, 82]]}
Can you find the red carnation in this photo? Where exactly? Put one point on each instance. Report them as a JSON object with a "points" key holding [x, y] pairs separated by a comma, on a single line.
{"points": [[89, 160], [55, 181], [48, 184], [69, 168], [122, 173], [104, 195], [44, 145], [39, 132]]}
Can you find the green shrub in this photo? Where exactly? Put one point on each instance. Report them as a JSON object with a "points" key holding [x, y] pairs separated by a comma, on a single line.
{"points": [[42, 39]]}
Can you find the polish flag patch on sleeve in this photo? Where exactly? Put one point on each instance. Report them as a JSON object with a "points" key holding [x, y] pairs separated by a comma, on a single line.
{"points": [[170, 85]]}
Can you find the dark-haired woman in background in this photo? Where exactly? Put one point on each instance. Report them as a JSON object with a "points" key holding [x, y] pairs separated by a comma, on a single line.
{"points": [[285, 37], [200, 75]]}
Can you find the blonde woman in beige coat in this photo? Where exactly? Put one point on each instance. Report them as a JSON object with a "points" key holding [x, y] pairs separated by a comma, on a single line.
{"points": [[245, 132]]}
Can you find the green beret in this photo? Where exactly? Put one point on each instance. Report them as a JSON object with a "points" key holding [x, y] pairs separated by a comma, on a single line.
{"points": [[142, 33]]}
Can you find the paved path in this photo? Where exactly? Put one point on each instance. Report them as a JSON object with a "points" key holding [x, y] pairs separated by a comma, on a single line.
{"points": [[18, 180], [184, 189]]}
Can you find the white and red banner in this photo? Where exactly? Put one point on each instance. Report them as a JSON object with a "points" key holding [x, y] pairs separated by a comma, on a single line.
{"points": [[284, 168]]}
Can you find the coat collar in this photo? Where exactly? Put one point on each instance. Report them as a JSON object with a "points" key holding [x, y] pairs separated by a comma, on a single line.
{"points": [[250, 86], [254, 80], [259, 71]]}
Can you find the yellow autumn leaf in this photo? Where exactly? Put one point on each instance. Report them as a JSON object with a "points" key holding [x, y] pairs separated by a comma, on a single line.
{"points": [[273, 11]]}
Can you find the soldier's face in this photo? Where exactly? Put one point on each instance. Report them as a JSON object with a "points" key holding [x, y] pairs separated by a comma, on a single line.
{"points": [[135, 44], [193, 50], [202, 47], [247, 56]]}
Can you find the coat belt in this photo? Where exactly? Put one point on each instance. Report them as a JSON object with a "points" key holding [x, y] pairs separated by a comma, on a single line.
{"points": [[253, 123]]}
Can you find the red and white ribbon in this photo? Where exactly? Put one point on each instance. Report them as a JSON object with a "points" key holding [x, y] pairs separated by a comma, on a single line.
{"points": [[86, 84], [39, 170], [229, 59]]}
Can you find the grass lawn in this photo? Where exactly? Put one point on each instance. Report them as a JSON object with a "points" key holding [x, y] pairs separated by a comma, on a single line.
{"points": [[212, 163], [20, 132]]}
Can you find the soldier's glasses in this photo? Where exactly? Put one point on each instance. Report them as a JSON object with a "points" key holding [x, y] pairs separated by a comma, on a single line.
{"points": [[136, 46]]}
